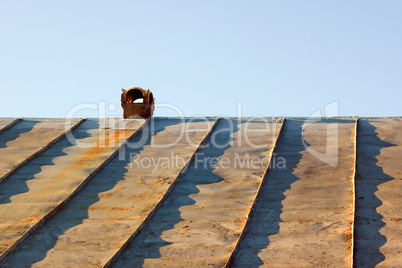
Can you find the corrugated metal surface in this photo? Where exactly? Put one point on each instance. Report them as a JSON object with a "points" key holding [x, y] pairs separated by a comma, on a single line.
{"points": [[134, 193]]}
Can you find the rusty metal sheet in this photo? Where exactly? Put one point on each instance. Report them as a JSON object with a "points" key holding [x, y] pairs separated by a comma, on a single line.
{"points": [[25, 139], [41, 185], [378, 229], [304, 215], [200, 222], [95, 224]]}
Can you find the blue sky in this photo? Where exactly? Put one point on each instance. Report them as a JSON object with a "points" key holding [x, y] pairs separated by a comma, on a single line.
{"points": [[279, 58]]}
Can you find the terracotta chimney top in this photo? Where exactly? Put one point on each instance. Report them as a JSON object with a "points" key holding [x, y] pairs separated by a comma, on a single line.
{"points": [[137, 102]]}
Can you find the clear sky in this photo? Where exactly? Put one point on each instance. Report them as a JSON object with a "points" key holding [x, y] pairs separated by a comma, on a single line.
{"points": [[279, 58]]}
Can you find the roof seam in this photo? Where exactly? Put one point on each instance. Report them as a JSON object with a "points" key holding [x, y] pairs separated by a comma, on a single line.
{"points": [[9, 125], [160, 202], [41, 150], [37, 225], [352, 250], [257, 195]]}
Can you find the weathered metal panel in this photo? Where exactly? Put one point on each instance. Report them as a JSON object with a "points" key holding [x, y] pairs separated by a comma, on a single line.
{"points": [[379, 193], [201, 220], [25, 139], [6, 123], [304, 215], [38, 187], [93, 226]]}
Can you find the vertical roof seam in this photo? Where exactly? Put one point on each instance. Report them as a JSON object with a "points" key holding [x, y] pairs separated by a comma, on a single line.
{"points": [[257, 195], [9, 125], [41, 150], [110, 262], [42, 221], [352, 249]]}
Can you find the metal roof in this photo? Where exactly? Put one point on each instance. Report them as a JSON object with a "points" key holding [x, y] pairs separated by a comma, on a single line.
{"points": [[189, 192]]}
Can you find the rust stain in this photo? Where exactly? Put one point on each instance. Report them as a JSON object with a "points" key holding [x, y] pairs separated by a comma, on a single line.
{"points": [[112, 139], [148, 195], [119, 209], [305, 221], [114, 209], [142, 182], [116, 219], [348, 237], [9, 243], [106, 195], [115, 136], [32, 219], [117, 243]]}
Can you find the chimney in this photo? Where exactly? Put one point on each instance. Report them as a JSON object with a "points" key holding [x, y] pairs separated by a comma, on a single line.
{"points": [[137, 102]]}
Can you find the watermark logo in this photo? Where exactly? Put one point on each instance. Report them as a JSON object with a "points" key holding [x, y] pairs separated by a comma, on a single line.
{"points": [[205, 162], [238, 131], [330, 156], [241, 129]]}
